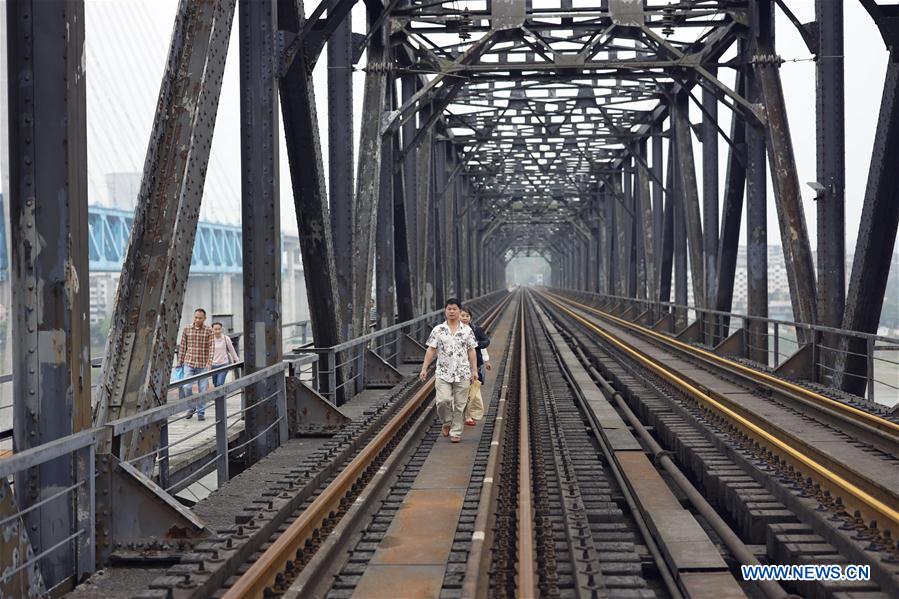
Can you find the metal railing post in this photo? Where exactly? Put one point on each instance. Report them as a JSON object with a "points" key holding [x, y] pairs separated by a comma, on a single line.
{"points": [[221, 440], [776, 344], [163, 455], [360, 364], [332, 376], [282, 409], [870, 357], [816, 353], [86, 511]]}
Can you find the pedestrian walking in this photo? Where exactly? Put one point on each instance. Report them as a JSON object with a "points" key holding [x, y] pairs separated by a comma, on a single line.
{"points": [[454, 346], [222, 353], [195, 356], [483, 342]]}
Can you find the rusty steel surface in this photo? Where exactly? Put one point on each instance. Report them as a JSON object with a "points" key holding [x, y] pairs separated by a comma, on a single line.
{"points": [[263, 572], [857, 476], [266, 570], [527, 585], [151, 289], [474, 584]]}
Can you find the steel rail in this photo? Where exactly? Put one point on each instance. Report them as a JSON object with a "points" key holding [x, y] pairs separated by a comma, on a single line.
{"points": [[860, 492], [474, 583], [527, 586], [731, 540], [637, 513], [264, 572], [840, 408]]}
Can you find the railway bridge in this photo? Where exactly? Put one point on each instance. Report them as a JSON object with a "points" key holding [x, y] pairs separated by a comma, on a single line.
{"points": [[640, 437]]}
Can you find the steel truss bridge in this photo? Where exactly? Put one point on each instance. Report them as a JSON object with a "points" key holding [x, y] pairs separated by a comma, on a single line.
{"points": [[489, 128], [217, 249]]}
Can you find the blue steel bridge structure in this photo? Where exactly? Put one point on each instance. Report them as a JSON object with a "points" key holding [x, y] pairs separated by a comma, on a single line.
{"points": [[217, 250]]}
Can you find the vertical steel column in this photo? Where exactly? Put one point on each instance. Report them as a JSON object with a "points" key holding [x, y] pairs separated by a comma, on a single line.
{"points": [[647, 226], [658, 199], [756, 232], [447, 198], [49, 266], [680, 236], [365, 214], [438, 167], [261, 217], [732, 209], [298, 108], [831, 167], [784, 178], [403, 197], [411, 199], [619, 237], [340, 163], [593, 247], [876, 233], [585, 262], [385, 250], [710, 192], [150, 296], [461, 234], [468, 240], [689, 194], [423, 200], [630, 247], [602, 199], [666, 259]]}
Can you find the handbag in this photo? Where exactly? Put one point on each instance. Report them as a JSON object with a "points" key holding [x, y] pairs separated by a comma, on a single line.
{"points": [[177, 373], [475, 401]]}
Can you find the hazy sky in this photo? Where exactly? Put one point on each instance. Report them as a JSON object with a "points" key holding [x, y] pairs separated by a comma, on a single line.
{"points": [[127, 43]]}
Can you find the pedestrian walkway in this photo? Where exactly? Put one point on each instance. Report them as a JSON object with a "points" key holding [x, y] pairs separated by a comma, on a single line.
{"points": [[415, 550]]}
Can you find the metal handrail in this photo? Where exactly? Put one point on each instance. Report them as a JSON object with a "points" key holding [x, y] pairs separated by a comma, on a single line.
{"points": [[709, 311]]}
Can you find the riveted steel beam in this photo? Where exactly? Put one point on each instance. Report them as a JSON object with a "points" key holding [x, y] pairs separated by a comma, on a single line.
{"points": [[646, 228], [785, 179], [689, 195], [368, 184], [831, 170], [49, 279], [710, 193], [261, 219], [298, 109], [340, 165], [756, 233], [732, 209], [877, 229], [143, 336]]}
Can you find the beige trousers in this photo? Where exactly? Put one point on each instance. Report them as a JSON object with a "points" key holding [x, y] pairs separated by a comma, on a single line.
{"points": [[451, 400]]}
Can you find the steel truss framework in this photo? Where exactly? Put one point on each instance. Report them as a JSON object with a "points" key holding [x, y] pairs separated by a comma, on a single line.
{"points": [[490, 128]]}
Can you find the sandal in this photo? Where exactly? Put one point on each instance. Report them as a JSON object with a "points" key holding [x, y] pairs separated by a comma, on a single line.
{"points": [[470, 422], [446, 429], [455, 439]]}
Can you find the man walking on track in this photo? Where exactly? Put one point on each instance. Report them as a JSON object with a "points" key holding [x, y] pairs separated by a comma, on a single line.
{"points": [[454, 344]]}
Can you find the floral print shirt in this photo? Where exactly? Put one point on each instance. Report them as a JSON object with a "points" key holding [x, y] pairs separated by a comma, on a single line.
{"points": [[452, 352]]}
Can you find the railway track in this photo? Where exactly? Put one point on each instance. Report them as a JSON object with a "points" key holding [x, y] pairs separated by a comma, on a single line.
{"points": [[878, 428], [795, 423], [846, 514], [293, 564], [594, 531], [608, 465]]}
